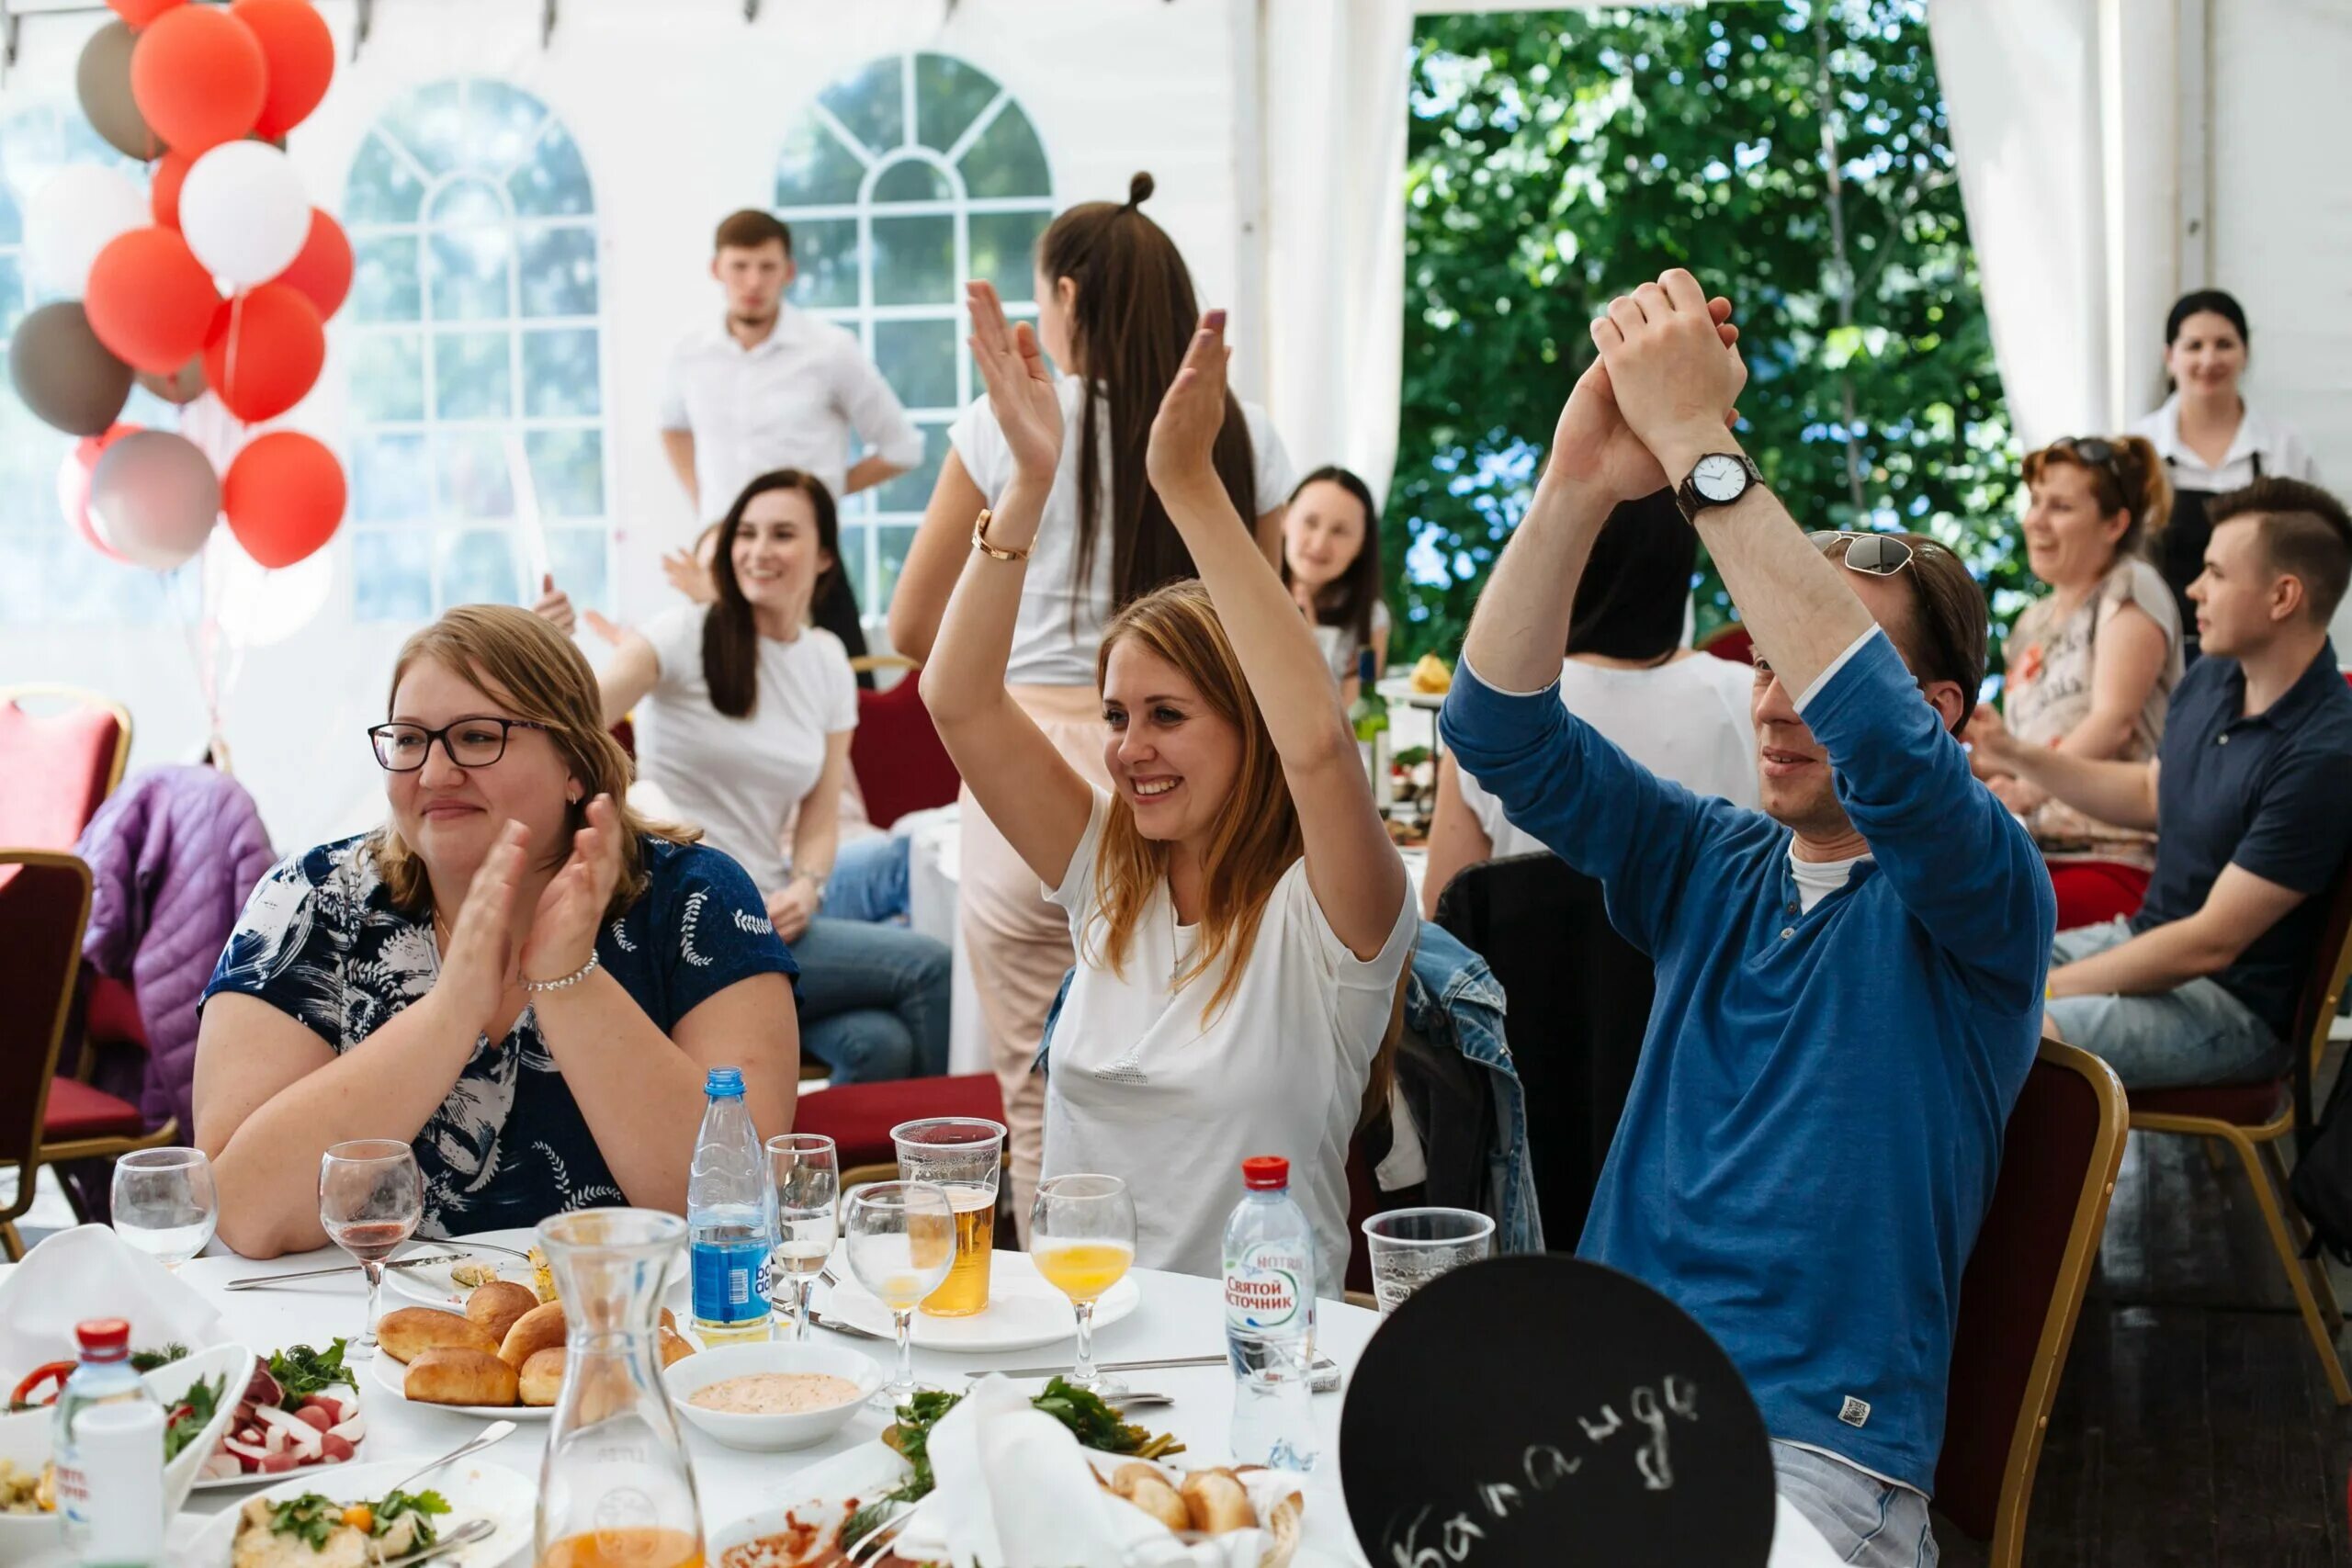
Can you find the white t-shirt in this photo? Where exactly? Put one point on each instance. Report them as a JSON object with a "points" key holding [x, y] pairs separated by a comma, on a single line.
{"points": [[739, 779], [791, 401], [1338, 643], [1688, 721], [1048, 648], [1137, 1087], [2283, 456]]}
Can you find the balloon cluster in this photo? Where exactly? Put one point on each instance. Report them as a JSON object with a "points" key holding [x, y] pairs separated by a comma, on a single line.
{"points": [[221, 277]]}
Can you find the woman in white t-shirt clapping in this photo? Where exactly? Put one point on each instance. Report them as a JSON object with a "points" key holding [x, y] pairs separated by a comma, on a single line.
{"points": [[1683, 715], [744, 710], [1239, 915], [1331, 566]]}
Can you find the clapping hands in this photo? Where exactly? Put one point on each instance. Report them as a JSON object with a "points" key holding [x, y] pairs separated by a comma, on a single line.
{"points": [[1673, 372], [1598, 441]]}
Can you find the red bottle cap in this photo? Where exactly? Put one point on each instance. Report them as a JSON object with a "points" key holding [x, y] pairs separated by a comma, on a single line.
{"points": [[1265, 1173], [103, 1336]]}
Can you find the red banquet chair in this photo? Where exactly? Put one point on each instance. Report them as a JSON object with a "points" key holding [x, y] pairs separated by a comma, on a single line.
{"points": [[901, 764], [63, 763], [1730, 642], [858, 1117]]}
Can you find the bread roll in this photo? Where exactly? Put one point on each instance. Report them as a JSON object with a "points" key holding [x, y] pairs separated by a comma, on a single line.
{"points": [[542, 1377], [675, 1347], [668, 1320], [408, 1332], [497, 1304], [538, 1329], [1148, 1489], [1215, 1501], [459, 1377]]}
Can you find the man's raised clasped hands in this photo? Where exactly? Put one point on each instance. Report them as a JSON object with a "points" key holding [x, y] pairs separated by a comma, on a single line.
{"points": [[1659, 396]]}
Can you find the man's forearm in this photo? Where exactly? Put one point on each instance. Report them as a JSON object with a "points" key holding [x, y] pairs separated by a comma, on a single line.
{"points": [[2153, 962], [1519, 631], [869, 471], [2122, 794]]}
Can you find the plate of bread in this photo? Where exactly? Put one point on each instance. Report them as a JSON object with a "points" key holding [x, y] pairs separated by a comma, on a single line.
{"points": [[500, 1356]]}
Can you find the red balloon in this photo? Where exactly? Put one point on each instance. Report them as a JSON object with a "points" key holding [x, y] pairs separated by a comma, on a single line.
{"points": [[138, 13], [283, 497], [266, 351], [199, 77], [300, 52], [150, 300], [73, 487], [163, 190], [322, 270]]}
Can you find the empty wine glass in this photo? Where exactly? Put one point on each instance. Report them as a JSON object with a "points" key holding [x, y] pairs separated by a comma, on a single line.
{"points": [[1083, 1238], [370, 1198], [807, 1170], [901, 1241], [164, 1203]]}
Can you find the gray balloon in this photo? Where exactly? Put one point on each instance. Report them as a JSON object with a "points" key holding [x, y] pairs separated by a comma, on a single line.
{"points": [[64, 373], [154, 497], [102, 81]]}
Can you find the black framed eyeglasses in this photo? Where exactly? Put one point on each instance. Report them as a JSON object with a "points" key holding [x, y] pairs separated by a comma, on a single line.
{"points": [[469, 743], [1873, 555]]}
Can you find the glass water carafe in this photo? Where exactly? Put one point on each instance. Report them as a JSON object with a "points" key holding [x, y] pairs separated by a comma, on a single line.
{"points": [[614, 1490]]}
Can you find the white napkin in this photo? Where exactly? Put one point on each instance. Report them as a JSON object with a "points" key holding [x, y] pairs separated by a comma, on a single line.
{"points": [[90, 1272], [1014, 1490]]}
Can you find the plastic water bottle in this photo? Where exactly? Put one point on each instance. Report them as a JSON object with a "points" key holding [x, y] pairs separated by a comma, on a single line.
{"points": [[104, 1377], [727, 1217], [1270, 1320], [121, 1450]]}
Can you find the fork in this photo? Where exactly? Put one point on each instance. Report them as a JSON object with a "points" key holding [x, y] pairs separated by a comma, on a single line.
{"points": [[869, 1547]]}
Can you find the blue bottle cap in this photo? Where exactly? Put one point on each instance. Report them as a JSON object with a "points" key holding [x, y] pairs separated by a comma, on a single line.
{"points": [[723, 1083]]}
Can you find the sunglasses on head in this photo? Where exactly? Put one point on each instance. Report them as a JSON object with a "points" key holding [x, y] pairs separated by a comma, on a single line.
{"points": [[2091, 449], [1873, 555]]}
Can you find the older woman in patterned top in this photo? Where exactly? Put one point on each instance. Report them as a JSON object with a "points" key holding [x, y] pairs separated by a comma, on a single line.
{"points": [[514, 975]]}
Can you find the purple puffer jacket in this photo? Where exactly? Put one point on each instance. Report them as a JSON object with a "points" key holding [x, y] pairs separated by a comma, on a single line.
{"points": [[173, 855]]}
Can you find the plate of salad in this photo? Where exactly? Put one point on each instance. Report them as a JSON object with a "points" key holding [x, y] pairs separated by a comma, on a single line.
{"points": [[351, 1519], [299, 1411]]}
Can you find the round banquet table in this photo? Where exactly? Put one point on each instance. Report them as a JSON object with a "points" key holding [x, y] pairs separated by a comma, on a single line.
{"points": [[1179, 1314]]}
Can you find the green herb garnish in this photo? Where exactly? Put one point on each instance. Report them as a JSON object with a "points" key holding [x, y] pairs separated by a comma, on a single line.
{"points": [[301, 1371], [192, 1414], [308, 1518], [420, 1505], [148, 1361]]}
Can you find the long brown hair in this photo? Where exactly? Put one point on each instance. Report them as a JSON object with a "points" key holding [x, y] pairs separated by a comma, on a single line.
{"points": [[1134, 315], [543, 678], [1347, 600], [730, 640], [1256, 834]]}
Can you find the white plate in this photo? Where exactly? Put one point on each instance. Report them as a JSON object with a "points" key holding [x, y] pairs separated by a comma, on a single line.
{"points": [[1024, 1312], [475, 1488], [432, 1283], [391, 1374], [241, 1480]]}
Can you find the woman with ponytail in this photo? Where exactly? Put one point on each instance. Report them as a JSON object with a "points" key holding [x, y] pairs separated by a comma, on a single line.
{"points": [[745, 708], [1115, 312], [2092, 663]]}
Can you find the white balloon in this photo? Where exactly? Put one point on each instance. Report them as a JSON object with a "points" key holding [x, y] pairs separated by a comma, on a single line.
{"points": [[244, 213], [71, 219], [255, 607]]}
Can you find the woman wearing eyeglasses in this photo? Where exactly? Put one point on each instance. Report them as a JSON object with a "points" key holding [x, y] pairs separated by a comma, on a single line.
{"points": [[2092, 663], [514, 975]]}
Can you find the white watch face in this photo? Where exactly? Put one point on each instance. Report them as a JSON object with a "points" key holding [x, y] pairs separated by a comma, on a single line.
{"points": [[1719, 476]]}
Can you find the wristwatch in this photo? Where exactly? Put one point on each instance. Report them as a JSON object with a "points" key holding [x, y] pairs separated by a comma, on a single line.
{"points": [[1718, 478]]}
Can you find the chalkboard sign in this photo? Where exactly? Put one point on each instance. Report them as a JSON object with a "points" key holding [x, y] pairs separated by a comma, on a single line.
{"points": [[1543, 1410]]}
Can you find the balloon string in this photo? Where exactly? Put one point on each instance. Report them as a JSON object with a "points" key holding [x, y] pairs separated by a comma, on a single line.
{"points": [[229, 365], [200, 636]]}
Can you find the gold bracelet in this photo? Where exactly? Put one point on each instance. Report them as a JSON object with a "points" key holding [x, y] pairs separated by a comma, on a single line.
{"points": [[980, 540]]}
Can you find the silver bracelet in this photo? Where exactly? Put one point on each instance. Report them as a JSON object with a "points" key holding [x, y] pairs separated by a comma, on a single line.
{"points": [[568, 981]]}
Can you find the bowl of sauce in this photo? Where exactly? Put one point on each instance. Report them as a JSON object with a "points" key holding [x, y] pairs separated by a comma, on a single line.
{"points": [[769, 1396]]}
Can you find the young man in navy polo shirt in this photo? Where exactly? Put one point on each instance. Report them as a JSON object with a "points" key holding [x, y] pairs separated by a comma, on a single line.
{"points": [[1849, 982], [2200, 986]]}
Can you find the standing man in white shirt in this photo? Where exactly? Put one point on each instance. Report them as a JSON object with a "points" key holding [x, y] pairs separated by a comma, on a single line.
{"points": [[769, 388]]}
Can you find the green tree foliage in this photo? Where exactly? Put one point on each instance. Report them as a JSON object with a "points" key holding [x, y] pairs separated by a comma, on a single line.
{"points": [[1797, 157]]}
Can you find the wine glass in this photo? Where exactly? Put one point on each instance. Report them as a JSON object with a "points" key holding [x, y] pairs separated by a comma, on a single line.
{"points": [[164, 1203], [370, 1198], [1083, 1238], [901, 1241], [807, 1170]]}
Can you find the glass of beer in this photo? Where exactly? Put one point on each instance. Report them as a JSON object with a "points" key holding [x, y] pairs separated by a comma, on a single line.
{"points": [[965, 1155], [1082, 1237]]}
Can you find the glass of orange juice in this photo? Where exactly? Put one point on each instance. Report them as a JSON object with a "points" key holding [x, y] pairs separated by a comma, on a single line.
{"points": [[1083, 1238], [901, 1237]]}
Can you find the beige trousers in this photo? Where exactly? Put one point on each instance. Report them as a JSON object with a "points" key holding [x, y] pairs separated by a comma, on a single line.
{"points": [[1018, 943]]}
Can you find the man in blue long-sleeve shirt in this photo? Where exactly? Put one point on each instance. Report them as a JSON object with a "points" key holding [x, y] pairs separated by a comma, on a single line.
{"points": [[1849, 982]]}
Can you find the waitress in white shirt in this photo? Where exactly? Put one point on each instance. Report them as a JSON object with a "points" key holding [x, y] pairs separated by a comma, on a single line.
{"points": [[1115, 310], [2209, 439], [744, 710]]}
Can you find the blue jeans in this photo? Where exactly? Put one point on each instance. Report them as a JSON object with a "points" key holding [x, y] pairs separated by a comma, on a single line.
{"points": [[873, 999], [2193, 1035], [1865, 1520], [869, 881]]}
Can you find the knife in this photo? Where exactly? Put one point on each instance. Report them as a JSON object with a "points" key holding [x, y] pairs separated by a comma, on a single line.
{"points": [[256, 1281], [1326, 1370]]}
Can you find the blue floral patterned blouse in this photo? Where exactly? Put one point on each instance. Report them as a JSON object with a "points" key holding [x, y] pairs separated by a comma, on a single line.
{"points": [[321, 941]]}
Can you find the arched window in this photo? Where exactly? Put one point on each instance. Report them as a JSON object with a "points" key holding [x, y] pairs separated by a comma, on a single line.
{"points": [[52, 577], [904, 178], [476, 416]]}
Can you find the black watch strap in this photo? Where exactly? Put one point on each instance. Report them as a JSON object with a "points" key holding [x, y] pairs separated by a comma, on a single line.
{"points": [[1693, 501]]}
